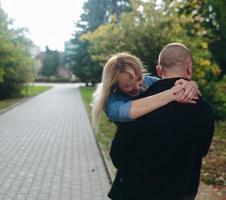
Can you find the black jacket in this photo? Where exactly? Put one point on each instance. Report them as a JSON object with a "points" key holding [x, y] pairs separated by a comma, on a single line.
{"points": [[159, 155]]}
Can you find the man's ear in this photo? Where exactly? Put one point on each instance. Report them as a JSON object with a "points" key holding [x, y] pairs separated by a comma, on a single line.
{"points": [[159, 70], [189, 70]]}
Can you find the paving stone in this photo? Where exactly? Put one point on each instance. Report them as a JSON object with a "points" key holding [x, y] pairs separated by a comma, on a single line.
{"points": [[48, 150]]}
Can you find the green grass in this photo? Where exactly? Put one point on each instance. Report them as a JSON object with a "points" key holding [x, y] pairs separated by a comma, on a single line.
{"points": [[214, 164], [220, 129], [26, 92], [107, 129], [8, 102], [33, 90], [86, 93]]}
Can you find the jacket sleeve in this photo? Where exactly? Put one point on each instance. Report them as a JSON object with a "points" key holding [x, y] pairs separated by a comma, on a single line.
{"points": [[118, 109], [208, 127]]}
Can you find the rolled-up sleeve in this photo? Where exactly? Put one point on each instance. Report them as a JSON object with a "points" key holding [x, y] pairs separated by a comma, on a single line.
{"points": [[149, 80], [118, 110]]}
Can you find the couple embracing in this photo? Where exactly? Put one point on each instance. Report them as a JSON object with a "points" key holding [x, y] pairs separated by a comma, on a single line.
{"points": [[165, 126]]}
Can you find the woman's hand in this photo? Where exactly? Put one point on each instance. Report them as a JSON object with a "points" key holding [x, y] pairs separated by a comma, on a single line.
{"points": [[190, 91]]}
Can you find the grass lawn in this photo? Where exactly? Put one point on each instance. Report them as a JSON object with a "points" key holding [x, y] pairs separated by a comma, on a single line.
{"points": [[214, 165], [27, 91], [32, 90], [106, 129]]}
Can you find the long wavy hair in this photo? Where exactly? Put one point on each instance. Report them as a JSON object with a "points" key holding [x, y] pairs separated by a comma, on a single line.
{"points": [[118, 63]]}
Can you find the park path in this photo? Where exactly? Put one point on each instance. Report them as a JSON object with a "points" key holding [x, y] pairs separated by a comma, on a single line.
{"points": [[48, 151]]}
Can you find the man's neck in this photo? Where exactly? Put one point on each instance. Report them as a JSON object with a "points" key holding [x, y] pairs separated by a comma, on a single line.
{"points": [[176, 75]]}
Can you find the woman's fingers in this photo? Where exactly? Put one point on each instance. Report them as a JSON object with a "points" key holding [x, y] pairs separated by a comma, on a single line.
{"points": [[186, 91], [177, 89], [190, 97], [195, 98], [191, 91], [180, 82], [199, 93], [178, 98], [192, 102], [188, 85]]}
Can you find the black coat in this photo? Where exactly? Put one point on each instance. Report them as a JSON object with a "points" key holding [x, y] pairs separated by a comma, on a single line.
{"points": [[159, 155]]}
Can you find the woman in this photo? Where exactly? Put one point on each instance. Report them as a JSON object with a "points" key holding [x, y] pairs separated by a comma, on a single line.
{"points": [[122, 81]]}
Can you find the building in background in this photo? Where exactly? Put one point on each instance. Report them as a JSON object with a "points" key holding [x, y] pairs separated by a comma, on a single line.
{"points": [[36, 54], [69, 49]]}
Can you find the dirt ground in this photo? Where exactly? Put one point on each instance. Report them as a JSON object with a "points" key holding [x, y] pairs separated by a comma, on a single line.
{"points": [[211, 192]]}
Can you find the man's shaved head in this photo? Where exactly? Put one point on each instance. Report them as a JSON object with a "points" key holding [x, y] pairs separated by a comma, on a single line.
{"points": [[174, 55]]}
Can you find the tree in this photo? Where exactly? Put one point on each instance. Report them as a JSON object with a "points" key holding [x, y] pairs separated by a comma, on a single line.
{"points": [[210, 14], [16, 64], [145, 30], [81, 62], [199, 26], [4, 41], [96, 12], [50, 63], [117, 7], [142, 32]]}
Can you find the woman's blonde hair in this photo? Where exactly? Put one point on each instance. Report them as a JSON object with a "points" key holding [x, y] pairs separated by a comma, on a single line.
{"points": [[118, 63]]}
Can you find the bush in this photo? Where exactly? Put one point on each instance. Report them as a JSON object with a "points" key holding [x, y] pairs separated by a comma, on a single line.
{"points": [[216, 95], [55, 79]]}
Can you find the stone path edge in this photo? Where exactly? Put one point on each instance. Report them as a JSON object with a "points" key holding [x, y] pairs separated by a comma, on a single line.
{"points": [[106, 162]]}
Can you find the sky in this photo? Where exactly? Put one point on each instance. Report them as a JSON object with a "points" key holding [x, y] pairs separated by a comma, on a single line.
{"points": [[50, 22]]}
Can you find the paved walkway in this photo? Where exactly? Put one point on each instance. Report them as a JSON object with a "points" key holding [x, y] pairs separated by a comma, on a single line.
{"points": [[48, 151]]}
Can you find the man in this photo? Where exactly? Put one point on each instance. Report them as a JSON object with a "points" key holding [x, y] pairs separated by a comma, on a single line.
{"points": [[159, 155]]}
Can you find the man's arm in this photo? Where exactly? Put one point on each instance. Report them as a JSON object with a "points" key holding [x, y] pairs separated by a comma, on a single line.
{"points": [[208, 127]]}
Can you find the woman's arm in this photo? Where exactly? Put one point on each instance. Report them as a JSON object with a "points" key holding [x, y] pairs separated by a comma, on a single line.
{"points": [[183, 92], [148, 104], [119, 109], [118, 106], [122, 109]]}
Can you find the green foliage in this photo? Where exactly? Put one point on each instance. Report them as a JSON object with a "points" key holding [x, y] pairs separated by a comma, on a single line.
{"points": [[1, 74], [210, 15], [83, 66], [107, 129], [206, 72], [219, 99], [4, 41], [50, 63], [146, 29], [117, 7], [137, 32], [96, 12], [94, 15], [16, 64], [81, 62], [220, 130]]}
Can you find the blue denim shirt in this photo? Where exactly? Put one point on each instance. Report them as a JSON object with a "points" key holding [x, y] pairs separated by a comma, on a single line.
{"points": [[118, 105]]}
